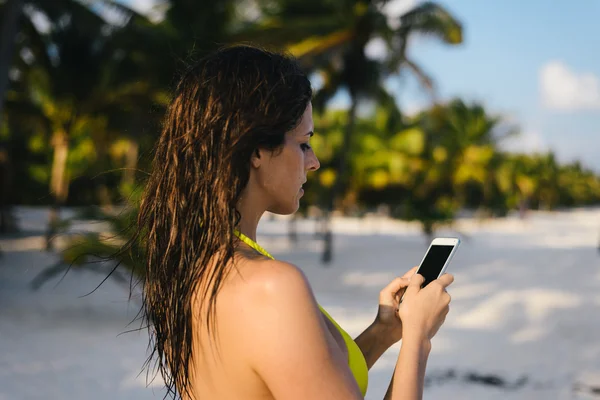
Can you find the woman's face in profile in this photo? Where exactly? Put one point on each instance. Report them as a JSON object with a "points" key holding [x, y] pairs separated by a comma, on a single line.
{"points": [[282, 174]]}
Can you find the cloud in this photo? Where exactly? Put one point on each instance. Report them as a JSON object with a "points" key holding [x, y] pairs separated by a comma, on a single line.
{"points": [[526, 142], [566, 90]]}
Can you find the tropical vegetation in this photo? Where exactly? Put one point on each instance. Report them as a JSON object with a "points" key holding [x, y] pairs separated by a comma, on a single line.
{"points": [[84, 84]]}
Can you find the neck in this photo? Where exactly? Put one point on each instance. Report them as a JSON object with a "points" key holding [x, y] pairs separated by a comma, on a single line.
{"points": [[251, 213], [248, 226]]}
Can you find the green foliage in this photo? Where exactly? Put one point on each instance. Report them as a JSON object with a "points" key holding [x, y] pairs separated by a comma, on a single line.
{"points": [[105, 85], [447, 159], [115, 245]]}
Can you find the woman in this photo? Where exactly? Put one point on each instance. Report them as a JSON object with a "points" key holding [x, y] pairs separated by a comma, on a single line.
{"points": [[228, 321]]}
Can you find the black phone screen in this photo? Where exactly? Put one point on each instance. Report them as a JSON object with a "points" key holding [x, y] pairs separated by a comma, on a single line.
{"points": [[434, 262]]}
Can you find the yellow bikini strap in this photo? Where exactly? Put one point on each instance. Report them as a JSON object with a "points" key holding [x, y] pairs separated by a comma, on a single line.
{"points": [[252, 244]]}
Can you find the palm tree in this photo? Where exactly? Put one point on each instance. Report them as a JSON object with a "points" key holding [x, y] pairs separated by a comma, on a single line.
{"points": [[41, 51], [471, 137], [67, 82], [331, 37], [517, 181], [547, 170], [201, 26], [449, 149], [10, 16]]}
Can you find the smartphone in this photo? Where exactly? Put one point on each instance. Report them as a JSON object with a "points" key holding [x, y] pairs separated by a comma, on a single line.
{"points": [[437, 258]]}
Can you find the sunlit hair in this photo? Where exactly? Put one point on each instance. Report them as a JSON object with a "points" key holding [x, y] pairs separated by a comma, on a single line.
{"points": [[225, 107]]}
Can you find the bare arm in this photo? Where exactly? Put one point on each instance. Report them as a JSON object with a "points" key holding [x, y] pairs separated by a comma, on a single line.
{"points": [[387, 327], [372, 343], [423, 311], [409, 375]]}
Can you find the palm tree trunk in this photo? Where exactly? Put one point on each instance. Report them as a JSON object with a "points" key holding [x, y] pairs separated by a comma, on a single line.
{"points": [[428, 231], [131, 160], [8, 33], [292, 229], [339, 182], [58, 183], [523, 207], [7, 220]]}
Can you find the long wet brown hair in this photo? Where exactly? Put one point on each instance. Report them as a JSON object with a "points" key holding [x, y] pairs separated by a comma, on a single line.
{"points": [[225, 107]]}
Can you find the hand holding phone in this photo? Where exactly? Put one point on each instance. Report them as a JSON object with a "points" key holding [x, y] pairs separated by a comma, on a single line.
{"points": [[424, 310]]}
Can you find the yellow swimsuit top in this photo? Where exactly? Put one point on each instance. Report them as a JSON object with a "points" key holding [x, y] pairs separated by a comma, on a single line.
{"points": [[356, 359]]}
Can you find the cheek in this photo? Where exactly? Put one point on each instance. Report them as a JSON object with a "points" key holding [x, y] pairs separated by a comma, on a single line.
{"points": [[288, 172], [295, 162]]}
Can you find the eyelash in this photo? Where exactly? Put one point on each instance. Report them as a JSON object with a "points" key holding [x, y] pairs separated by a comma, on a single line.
{"points": [[305, 146]]}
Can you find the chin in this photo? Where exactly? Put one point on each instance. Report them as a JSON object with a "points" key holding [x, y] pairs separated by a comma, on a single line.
{"points": [[285, 209]]}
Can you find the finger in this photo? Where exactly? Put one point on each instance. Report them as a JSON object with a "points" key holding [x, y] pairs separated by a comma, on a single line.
{"points": [[445, 280], [400, 293], [395, 285], [411, 272], [390, 293], [414, 285]]}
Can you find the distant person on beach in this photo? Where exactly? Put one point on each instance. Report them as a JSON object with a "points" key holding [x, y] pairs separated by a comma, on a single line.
{"points": [[228, 321]]}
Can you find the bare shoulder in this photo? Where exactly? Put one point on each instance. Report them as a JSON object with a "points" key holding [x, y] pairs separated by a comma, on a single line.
{"points": [[263, 280], [266, 299], [268, 292]]}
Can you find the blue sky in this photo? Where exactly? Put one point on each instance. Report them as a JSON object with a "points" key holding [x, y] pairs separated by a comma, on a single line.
{"points": [[535, 61]]}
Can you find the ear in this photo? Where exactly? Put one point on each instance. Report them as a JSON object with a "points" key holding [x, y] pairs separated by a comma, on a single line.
{"points": [[255, 160]]}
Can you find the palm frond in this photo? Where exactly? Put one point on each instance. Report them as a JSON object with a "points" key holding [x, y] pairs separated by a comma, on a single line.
{"points": [[422, 76], [429, 18], [316, 45], [284, 33]]}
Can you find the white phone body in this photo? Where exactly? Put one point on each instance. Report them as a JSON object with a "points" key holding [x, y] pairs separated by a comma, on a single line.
{"points": [[436, 258]]}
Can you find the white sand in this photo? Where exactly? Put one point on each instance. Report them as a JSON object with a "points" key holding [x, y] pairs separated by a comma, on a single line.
{"points": [[526, 307]]}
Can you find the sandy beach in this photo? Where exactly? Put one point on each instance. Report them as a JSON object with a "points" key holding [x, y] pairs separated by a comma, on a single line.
{"points": [[524, 321]]}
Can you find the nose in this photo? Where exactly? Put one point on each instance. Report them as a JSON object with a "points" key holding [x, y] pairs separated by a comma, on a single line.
{"points": [[313, 163]]}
